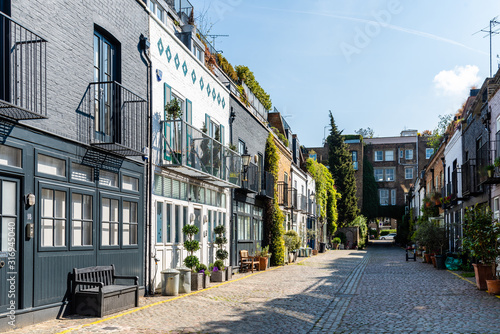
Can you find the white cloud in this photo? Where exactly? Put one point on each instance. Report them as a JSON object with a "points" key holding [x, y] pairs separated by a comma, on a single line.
{"points": [[458, 81]]}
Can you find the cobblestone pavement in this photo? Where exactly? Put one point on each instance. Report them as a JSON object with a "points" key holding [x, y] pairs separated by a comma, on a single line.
{"points": [[374, 291]]}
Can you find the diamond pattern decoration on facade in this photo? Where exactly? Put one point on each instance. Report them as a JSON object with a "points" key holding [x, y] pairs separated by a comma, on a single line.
{"points": [[218, 98], [213, 94], [177, 61], [160, 47], [193, 76], [184, 68], [209, 90], [202, 84], [223, 103], [168, 53]]}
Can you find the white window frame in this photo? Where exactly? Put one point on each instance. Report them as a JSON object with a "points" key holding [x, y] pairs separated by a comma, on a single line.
{"points": [[409, 173], [389, 153], [384, 200], [380, 177], [386, 178], [377, 157], [409, 154], [496, 208]]}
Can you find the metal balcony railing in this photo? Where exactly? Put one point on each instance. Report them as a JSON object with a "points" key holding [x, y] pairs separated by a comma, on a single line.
{"points": [[193, 153], [454, 184], [469, 177], [251, 180], [117, 118], [23, 72], [482, 160], [282, 188], [303, 203], [267, 186]]}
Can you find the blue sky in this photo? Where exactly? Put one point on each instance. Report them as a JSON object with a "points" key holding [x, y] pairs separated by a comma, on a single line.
{"points": [[383, 64]]}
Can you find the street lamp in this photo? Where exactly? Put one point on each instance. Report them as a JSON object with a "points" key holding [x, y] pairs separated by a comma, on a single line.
{"points": [[246, 161]]}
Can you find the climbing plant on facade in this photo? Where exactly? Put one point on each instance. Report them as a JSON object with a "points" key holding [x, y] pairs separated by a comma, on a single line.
{"points": [[371, 200], [326, 194], [275, 219]]}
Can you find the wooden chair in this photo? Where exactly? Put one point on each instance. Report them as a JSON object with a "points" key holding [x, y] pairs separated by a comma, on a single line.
{"points": [[248, 262]]}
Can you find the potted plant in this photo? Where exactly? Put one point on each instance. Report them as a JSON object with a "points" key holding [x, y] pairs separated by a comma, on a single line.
{"points": [[493, 285], [336, 242], [481, 234], [263, 257], [191, 261], [490, 169], [174, 112], [202, 269], [292, 243], [497, 162], [218, 273]]}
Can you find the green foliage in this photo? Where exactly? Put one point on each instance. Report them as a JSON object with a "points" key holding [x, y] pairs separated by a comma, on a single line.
{"points": [[219, 264], [191, 261], [226, 67], [438, 134], [386, 232], [326, 194], [220, 241], [247, 76], [336, 240], [220, 229], [191, 245], [292, 240], [360, 222], [341, 167], [243, 95], [173, 110], [342, 237], [365, 133], [221, 254], [430, 235], [352, 137], [481, 234], [190, 230], [371, 200], [201, 267], [283, 139]]}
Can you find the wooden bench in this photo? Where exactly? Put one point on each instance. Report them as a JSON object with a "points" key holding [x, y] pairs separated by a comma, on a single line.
{"points": [[248, 262], [96, 294]]}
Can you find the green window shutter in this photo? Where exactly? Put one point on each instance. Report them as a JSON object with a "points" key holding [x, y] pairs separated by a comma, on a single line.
{"points": [[222, 135], [207, 125], [167, 95], [189, 112]]}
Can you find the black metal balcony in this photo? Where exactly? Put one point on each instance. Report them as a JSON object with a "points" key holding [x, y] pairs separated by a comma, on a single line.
{"points": [[251, 180], [267, 185], [303, 203], [117, 118], [191, 152], [470, 178], [287, 196], [23, 72]]}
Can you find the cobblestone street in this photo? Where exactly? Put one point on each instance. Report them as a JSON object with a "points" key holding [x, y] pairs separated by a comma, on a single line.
{"points": [[374, 291]]}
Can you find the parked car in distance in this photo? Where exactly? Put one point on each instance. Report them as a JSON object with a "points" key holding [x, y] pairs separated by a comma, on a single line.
{"points": [[390, 236]]}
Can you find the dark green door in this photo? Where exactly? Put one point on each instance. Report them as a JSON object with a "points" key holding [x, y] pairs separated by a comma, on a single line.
{"points": [[9, 244]]}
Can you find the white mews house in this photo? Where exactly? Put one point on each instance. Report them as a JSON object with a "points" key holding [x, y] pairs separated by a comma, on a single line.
{"points": [[193, 167]]}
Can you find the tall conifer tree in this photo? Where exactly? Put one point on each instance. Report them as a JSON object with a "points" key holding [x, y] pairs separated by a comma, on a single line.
{"points": [[342, 169]]}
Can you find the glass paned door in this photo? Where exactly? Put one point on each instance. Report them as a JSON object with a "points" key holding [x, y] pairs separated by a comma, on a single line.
{"points": [[104, 54], [9, 238]]}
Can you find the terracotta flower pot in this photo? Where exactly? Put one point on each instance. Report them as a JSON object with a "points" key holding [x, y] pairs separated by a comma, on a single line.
{"points": [[427, 258], [263, 262], [433, 260], [483, 272], [493, 286]]}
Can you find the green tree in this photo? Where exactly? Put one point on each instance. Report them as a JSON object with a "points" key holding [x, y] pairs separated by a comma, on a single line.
{"points": [[370, 191], [326, 194], [275, 219], [341, 167]]}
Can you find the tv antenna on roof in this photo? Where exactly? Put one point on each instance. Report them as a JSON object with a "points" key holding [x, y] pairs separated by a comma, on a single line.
{"points": [[490, 32], [214, 37]]}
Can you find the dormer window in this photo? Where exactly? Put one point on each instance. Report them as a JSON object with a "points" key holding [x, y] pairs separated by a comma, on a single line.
{"points": [[198, 53]]}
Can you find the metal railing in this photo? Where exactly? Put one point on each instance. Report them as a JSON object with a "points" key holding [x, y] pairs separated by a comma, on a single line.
{"points": [[267, 186], [303, 203], [252, 180], [482, 160], [185, 145], [469, 177], [118, 118], [23, 72], [287, 196]]}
